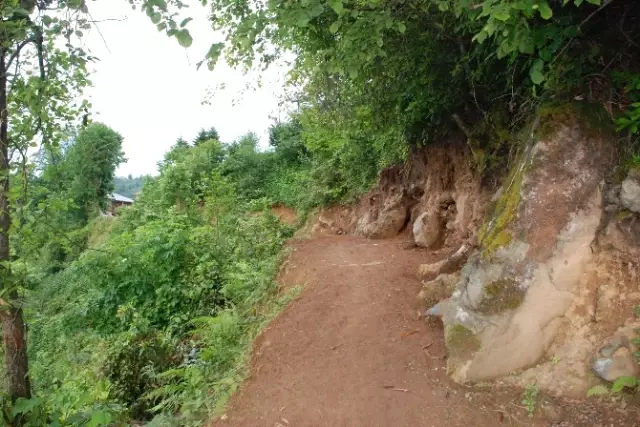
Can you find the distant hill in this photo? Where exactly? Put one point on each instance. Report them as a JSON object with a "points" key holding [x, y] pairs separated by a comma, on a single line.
{"points": [[129, 186]]}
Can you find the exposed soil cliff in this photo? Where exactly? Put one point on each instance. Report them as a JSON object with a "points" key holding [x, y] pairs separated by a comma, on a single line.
{"points": [[436, 196]]}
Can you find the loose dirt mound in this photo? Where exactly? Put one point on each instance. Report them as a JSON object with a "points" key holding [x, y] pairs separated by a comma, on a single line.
{"points": [[351, 351]]}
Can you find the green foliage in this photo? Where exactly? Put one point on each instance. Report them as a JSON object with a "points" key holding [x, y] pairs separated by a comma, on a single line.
{"points": [[70, 189], [530, 398], [372, 77], [190, 248], [89, 167], [206, 135], [624, 382], [630, 120], [598, 390], [619, 385], [132, 365]]}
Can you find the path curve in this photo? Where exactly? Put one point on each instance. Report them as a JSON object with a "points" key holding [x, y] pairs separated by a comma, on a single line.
{"points": [[350, 351]]}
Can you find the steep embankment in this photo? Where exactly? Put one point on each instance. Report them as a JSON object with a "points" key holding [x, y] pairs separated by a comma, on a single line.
{"points": [[535, 280], [542, 277]]}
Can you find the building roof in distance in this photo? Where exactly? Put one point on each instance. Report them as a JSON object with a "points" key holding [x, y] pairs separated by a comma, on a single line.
{"points": [[119, 198]]}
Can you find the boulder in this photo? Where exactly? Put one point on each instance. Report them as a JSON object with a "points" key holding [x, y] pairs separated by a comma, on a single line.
{"points": [[630, 191], [431, 271], [389, 223], [622, 363], [428, 229], [384, 218], [533, 249], [438, 289]]}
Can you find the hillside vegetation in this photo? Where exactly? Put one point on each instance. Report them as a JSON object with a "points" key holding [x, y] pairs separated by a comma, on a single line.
{"points": [[148, 316]]}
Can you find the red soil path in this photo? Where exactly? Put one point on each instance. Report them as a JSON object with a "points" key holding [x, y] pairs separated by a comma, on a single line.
{"points": [[351, 351]]}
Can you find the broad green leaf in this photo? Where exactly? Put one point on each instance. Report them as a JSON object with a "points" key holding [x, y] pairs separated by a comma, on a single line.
{"points": [[156, 18], [623, 382], [535, 72], [337, 6], [401, 28], [334, 27], [215, 50], [23, 406], [480, 37], [303, 20], [185, 22], [545, 10], [526, 45], [578, 2], [184, 38], [160, 4], [502, 14], [490, 28], [596, 2], [100, 418]]}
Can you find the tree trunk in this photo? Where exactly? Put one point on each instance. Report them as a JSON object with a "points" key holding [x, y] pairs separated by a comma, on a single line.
{"points": [[13, 328]]}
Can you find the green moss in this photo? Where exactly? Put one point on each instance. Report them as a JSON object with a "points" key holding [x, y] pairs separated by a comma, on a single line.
{"points": [[623, 214], [593, 117], [501, 239], [501, 295], [497, 233], [461, 342]]}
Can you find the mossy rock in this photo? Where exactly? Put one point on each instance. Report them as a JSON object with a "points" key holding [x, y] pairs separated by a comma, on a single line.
{"points": [[461, 342], [593, 117], [497, 233], [501, 295], [623, 214]]}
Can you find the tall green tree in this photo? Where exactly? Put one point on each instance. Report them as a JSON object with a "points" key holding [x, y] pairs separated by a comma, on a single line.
{"points": [[39, 84], [206, 135], [89, 168]]}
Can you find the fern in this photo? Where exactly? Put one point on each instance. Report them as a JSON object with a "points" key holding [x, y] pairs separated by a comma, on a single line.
{"points": [[624, 382]]}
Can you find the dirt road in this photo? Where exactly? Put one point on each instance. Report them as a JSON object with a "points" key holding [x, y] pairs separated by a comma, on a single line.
{"points": [[351, 351]]}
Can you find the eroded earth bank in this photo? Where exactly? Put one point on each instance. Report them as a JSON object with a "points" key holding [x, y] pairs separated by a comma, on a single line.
{"points": [[447, 296]]}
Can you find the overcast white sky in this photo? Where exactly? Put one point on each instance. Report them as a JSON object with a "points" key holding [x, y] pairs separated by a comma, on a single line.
{"points": [[146, 86]]}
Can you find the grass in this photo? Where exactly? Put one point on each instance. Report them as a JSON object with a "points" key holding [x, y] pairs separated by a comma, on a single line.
{"points": [[271, 309], [202, 391]]}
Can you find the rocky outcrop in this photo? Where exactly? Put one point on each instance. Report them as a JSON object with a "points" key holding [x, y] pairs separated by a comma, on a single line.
{"points": [[387, 221], [630, 191], [542, 274], [438, 289], [436, 198], [510, 302], [616, 359]]}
